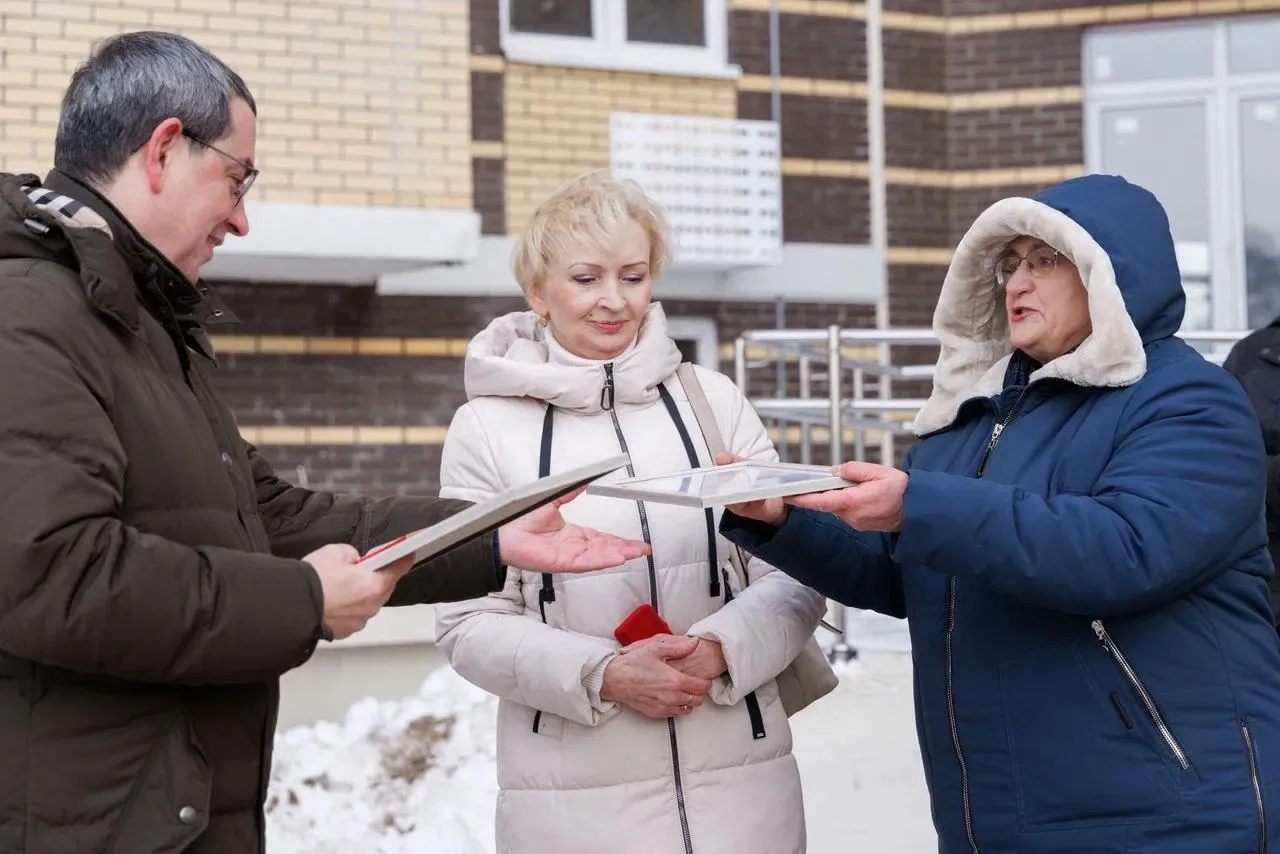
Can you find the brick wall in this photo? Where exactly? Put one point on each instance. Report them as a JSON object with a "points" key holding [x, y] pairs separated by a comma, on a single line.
{"points": [[357, 388], [557, 122], [360, 102]]}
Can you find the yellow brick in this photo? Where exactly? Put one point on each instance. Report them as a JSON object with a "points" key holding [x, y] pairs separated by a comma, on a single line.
{"points": [[286, 27], [167, 20], [33, 62], [16, 113], [288, 62], [65, 10], [343, 197], [367, 17], [289, 196], [309, 12], [321, 147], [294, 97], [366, 117], [234, 24], [253, 9], [32, 132], [34, 26], [262, 44], [30, 96], [314, 80], [208, 7], [314, 47], [342, 166], [315, 114]]}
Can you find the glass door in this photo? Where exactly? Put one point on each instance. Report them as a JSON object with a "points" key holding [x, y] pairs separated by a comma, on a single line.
{"points": [[1258, 140], [1165, 147]]}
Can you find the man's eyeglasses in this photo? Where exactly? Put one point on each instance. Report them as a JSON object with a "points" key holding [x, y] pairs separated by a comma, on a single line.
{"points": [[1040, 263], [250, 174]]}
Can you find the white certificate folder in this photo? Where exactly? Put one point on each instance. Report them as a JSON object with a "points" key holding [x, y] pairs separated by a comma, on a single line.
{"points": [[716, 486], [485, 516]]}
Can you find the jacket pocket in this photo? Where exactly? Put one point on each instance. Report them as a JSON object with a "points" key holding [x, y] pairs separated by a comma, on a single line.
{"points": [[547, 724], [168, 807], [1255, 780], [1081, 753], [1140, 692]]}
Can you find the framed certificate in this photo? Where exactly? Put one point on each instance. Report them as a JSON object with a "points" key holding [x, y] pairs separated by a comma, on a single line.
{"points": [[485, 516], [716, 486]]}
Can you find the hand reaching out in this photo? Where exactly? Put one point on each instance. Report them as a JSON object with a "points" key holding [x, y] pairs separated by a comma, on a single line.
{"points": [[542, 541], [874, 503]]}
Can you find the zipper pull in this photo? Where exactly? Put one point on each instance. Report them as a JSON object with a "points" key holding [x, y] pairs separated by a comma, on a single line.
{"points": [[995, 434], [1099, 630], [606, 393]]}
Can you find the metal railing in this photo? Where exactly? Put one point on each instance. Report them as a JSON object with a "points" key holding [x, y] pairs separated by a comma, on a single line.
{"points": [[858, 397]]}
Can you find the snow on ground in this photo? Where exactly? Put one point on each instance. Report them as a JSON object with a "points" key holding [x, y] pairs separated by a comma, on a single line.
{"points": [[417, 775]]}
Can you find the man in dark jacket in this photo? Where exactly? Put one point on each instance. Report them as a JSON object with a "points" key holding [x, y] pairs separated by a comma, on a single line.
{"points": [[156, 578], [1255, 361]]}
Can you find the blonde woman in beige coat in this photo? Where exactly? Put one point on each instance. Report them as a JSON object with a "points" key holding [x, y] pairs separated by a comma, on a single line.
{"points": [[679, 744]]}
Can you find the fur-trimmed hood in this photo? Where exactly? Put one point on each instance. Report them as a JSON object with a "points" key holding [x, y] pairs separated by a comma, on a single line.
{"points": [[1116, 233]]}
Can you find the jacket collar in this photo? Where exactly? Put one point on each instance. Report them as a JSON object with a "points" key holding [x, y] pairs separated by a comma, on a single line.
{"points": [[118, 266], [515, 357]]}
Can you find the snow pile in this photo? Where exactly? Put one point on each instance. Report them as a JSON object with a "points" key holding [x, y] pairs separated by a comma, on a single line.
{"points": [[412, 775], [418, 775]]}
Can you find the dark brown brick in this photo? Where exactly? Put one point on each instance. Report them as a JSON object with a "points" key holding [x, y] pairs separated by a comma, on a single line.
{"points": [[488, 181], [824, 210], [1004, 7], [917, 7], [824, 128], [915, 61], [376, 471], [822, 48], [486, 106], [348, 390], [981, 62], [749, 40], [915, 139], [343, 311], [325, 390], [918, 216], [913, 293], [966, 204], [1025, 136], [755, 105], [486, 27]]}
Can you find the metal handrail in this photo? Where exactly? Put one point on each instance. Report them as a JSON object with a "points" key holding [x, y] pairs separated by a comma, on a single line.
{"points": [[858, 412]]}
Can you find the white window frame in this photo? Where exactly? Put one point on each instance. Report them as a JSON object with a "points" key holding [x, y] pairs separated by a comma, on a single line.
{"points": [[1221, 93], [704, 335], [608, 48]]}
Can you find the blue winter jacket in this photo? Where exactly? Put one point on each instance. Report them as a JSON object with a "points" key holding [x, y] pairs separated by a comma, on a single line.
{"points": [[1096, 668]]}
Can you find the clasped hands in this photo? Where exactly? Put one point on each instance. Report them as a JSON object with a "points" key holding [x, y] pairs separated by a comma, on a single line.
{"points": [[663, 676]]}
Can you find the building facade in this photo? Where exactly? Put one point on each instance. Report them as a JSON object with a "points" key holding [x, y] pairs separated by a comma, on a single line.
{"points": [[403, 144]]}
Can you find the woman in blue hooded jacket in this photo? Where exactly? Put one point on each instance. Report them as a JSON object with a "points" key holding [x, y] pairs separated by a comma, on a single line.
{"points": [[1079, 546]]}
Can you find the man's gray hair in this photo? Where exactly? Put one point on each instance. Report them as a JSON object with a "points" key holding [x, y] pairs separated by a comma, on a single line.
{"points": [[130, 84]]}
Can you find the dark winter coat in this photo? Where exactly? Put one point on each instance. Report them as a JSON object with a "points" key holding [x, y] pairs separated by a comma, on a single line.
{"points": [[1086, 589], [151, 587]]}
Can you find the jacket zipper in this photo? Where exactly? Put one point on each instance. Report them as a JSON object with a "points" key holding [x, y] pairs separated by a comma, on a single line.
{"points": [[1135, 683], [1247, 735], [752, 702], [606, 403], [996, 432]]}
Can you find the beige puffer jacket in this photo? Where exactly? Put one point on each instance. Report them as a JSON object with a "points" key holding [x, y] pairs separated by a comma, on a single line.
{"points": [[582, 776]]}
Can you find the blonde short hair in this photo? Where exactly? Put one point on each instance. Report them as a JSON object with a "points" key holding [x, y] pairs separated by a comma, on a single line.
{"points": [[589, 208]]}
